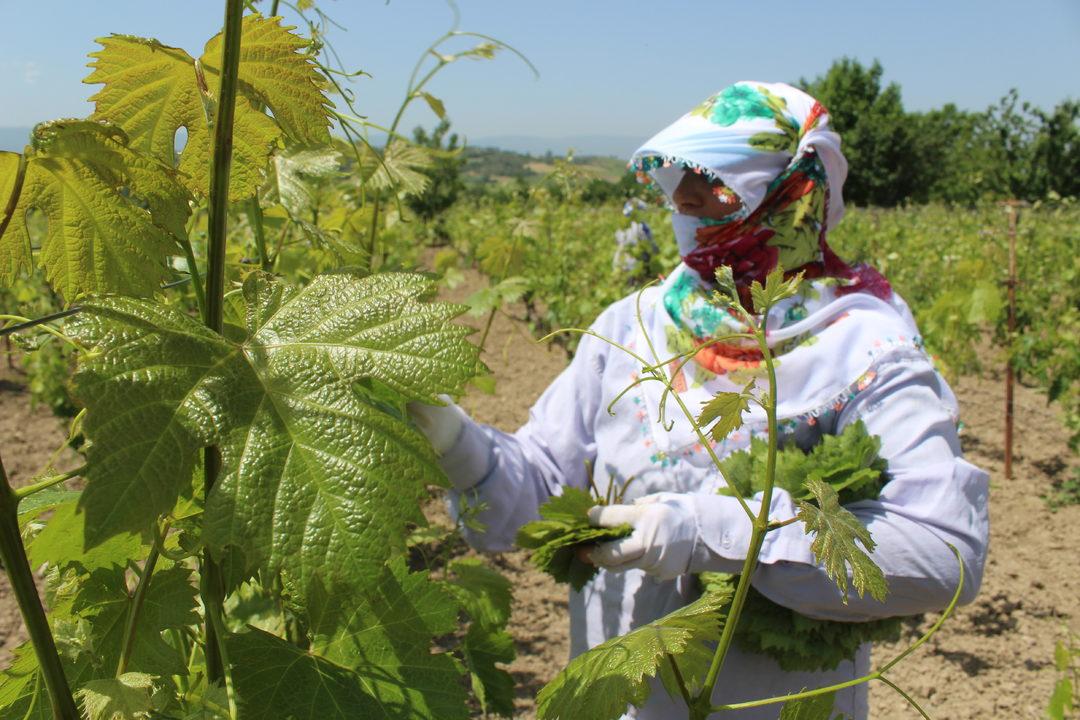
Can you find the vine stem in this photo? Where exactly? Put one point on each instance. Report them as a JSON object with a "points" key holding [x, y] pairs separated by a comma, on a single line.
{"points": [[212, 587], [193, 273], [48, 482], [702, 706], [13, 555], [128, 643]]}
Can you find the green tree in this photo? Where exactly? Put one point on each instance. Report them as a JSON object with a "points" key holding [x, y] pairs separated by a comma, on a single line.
{"points": [[445, 172], [876, 132]]}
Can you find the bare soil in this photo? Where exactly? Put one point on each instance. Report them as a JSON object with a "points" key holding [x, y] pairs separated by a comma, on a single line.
{"points": [[993, 659]]}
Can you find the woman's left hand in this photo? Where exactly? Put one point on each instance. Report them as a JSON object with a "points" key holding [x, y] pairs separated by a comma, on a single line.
{"points": [[662, 544]]}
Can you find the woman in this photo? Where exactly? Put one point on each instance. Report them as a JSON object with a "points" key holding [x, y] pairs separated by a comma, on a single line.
{"points": [[755, 177]]}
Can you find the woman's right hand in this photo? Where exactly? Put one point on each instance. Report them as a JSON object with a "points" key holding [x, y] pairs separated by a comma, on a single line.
{"points": [[441, 424]]}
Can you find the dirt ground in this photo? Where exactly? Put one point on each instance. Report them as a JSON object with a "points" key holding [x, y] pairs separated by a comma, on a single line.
{"points": [[992, 660]]}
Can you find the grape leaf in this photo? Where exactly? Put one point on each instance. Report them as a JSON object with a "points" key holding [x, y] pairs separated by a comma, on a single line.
{"points": [[96, 611], [601, 682], [565, 526], [32, 506], [776, 288], [401, 168], [796, 642], [54, 544], [15, 250], [384, 637], [726, 409], [484, 593], [276, 71], [849, 462], [169, 603], [836, 533], [818, 707], [276, 679], [320, 473], [111, 215], [493, 687], [121, 698], [293, 168], [151, 90]]}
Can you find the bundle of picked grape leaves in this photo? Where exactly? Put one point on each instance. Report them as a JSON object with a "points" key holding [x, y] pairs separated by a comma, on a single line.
{"points": [[848, 462]]}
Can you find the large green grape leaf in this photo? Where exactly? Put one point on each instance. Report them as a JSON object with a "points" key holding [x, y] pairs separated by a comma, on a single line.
{"points": [[276, 73], [322, 471], [838, 535], [370, 657], [600, 683], [151, 90], [384, 635], [112, 216]]}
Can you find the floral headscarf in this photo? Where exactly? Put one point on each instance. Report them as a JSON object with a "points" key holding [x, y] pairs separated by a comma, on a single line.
{"points": [[771, 146]]}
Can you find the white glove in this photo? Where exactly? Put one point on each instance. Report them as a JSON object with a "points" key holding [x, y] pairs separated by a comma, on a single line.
{"points": [[662, 544], [441, 424]]}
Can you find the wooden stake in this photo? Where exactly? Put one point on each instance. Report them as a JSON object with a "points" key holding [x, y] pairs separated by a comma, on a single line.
{"points": [[1011, 207]]}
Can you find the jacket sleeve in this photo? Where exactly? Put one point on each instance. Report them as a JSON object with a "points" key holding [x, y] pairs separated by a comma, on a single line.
{"points": [[511, 475], [933, 499]]}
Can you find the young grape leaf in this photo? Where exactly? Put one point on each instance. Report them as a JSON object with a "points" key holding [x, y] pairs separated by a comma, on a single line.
{"points": [[600, 683], [776, 288], [565, 526], [320, 474], [127, 697], [837, 532], [401, 167], [293, 169], [111, 215], [151, 90], [726, 409], [818, 707], [384, 635], [88, 621]]}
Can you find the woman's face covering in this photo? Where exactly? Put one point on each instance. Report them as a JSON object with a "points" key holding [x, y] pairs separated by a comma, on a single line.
{"points": [[697, 197]]}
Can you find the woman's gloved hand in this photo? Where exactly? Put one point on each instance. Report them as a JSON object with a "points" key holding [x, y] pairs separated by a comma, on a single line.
{"points": [[441, 424], [662, 544]]}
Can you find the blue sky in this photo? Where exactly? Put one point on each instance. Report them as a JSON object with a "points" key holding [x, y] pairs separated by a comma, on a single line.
{"points": [[606, 67]]}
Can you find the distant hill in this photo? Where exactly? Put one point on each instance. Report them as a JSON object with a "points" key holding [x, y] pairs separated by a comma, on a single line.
{"points": [[619, 146], [14, 139], [487, 164]]}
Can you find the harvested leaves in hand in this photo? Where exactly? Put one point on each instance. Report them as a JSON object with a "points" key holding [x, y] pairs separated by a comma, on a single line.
{"points": [[555, 538]]}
